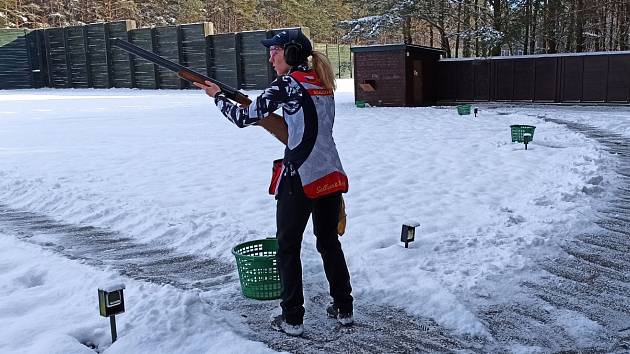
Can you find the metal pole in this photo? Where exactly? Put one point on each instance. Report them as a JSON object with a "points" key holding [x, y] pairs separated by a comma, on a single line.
{"points": [[351, 63], [339, 60], [112, 324]]}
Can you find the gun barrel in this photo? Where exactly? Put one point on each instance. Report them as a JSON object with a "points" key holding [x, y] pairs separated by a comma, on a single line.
{"points": [[272, 123], [182, 71]]}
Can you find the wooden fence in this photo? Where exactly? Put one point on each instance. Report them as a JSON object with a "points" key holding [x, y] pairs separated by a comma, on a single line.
{"points": [[20, 61], [81, 56], [557, 78]]}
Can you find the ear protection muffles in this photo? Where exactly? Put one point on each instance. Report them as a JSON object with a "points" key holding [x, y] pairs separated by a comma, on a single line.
{"points": [[293, 53]]}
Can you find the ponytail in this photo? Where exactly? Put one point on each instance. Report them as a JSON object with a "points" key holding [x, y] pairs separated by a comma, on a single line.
{"points": [[324, 70]]}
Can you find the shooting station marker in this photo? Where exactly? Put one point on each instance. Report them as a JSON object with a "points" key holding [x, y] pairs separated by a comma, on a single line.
{"points": [[522, 133], [111, 302]]}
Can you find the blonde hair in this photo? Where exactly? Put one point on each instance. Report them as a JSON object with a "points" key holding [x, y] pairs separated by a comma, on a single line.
{"points": [[322, 67]]}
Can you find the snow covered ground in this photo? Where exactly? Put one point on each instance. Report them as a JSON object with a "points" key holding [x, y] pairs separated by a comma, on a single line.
{"points": [[165, 167]]}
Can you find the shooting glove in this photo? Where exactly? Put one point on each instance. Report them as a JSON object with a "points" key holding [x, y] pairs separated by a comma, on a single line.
{"points": [[341, 225]]}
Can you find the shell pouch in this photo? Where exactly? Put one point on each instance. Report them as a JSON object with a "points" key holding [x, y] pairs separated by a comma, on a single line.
{"points": [[276, 173]]}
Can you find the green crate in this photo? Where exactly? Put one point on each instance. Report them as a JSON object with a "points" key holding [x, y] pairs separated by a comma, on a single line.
{"points": [[257, 269], [463, 109], [518, 130], [359, 104]]}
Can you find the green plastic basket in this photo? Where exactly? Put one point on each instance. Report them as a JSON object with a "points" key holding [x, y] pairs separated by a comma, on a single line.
{"points": [[518, 131], [257, 269], [359, 104], [463, 109]]}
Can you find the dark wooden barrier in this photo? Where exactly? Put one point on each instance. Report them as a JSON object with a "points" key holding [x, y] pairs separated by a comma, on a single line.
{"points": [[81, 56], [144, 72], [547, 81], [223, 59], [482, 80], [55, 46], [559, 78], [97, 55], [618, 79], [193, 47], [37, 59], [166, 44], [17, 60], [120, 67], [77, 57], [255, 71]]}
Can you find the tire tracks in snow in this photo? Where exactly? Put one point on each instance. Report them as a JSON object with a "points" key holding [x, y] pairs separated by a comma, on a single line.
{"points": [[104, 248], [378, 329], [580, 300]]}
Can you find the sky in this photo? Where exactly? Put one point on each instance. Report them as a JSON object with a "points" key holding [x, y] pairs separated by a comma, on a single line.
{"points": [[165, 168]]}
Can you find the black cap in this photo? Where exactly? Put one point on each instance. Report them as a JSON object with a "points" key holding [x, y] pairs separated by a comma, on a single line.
{"points": [[287, 36]]}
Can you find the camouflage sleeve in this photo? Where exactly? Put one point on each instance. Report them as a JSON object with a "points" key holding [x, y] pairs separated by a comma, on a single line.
{"points": [[284, 92]]}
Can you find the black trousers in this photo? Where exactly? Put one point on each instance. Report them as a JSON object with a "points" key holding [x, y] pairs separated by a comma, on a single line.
{"points": [[292, 213]]}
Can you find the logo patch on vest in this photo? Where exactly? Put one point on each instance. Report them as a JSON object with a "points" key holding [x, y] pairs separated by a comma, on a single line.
{"points": [[335, 182]]}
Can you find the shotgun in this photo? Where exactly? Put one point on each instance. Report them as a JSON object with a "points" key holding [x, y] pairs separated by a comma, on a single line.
{"points": [[273, 123]]}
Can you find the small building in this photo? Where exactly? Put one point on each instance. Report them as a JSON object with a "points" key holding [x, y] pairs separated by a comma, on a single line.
{"points": [[396, 75]]}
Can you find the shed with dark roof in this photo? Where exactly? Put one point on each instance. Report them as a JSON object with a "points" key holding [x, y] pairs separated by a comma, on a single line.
{"points": [[396, 75]]}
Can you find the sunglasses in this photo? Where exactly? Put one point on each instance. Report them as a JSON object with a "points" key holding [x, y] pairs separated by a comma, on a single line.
{"points": [[276, 48]]}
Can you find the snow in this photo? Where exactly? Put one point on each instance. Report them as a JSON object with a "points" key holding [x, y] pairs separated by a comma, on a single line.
{"points": [[166, 167], [51, 305], [112, 286]]}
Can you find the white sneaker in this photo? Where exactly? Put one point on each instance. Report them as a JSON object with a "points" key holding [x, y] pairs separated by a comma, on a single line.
{"points": [[346, 319], [279, 324]]}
